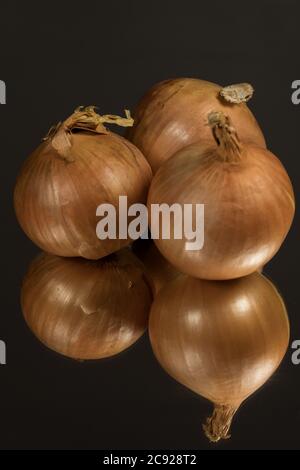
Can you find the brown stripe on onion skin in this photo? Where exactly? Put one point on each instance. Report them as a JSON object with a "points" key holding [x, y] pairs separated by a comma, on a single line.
{"points": [[173, 114], [248, 203], [69, 175], [223, 340], [87, 309]]}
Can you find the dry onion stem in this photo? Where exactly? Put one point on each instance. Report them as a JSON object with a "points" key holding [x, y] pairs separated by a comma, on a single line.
{"points": [[87, 309], [248, 200], [85, 119], [223, 340], [79, 165], [173, 114]]}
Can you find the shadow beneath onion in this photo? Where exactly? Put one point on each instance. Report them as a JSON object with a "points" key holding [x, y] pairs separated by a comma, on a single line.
{"points": [[87, 310], [221, 339]]}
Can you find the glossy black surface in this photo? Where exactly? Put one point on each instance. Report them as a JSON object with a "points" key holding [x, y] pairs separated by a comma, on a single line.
{"points": [[54, 57]]}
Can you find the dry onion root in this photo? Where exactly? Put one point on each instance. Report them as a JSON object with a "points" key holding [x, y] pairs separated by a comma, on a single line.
{"points": [[87, 309], [223, 340], [248, 200], [79, 165], [173, 115]]}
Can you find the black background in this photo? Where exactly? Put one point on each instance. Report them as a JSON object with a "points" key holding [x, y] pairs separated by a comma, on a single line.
{"points": [[56, 56]]}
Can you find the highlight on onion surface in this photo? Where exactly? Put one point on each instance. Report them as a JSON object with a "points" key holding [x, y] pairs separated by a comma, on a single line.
{"points": [[87, 309], [173, 114], [248, 203], [223, 340], [78, 166], [158, 268]]}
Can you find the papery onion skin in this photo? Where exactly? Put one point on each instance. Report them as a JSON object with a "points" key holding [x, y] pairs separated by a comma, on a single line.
{"points": [[159, 270], [248, 207], [87, 309], [57, 194], [173, 114], [222, 340]]}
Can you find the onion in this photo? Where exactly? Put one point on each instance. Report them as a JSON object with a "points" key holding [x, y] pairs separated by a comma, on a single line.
{"points": [[87, 309], [173, 114], [222, 340], [78, 166], [159, 270], [248, 204]]}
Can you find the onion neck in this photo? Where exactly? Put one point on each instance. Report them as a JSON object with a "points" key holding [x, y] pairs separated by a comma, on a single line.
{"points": [[237, 94], [229, 146], [83, 119], [217, 426]]}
